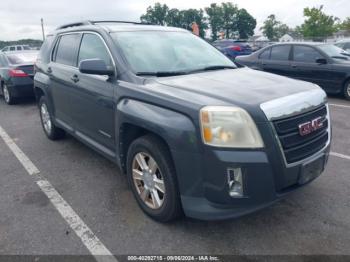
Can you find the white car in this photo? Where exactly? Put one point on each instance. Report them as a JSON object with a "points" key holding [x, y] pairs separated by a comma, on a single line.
{"points": [[344, 44], [15, 48]]}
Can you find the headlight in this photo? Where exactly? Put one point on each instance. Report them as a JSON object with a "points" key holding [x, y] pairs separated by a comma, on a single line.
{"points": [[229, 127]]}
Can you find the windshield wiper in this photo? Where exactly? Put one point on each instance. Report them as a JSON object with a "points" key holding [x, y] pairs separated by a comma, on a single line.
{"points": [[217, 67], [162, 73]]}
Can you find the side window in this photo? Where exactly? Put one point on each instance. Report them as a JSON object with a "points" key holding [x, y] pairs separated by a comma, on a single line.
{"points": [[12, 48], [44, 53], [265, 55], [6, 49], [92, 47], [280, 53], [347, 46], [66, 49], [19, 48], [306, 54]]}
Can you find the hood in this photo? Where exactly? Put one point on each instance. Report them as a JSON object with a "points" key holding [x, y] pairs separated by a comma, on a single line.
{"points": [[242, 87]]}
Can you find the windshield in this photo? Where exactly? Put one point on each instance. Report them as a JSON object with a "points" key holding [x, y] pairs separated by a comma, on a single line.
{"points": [[334, 51], [22, 58], [160, 51]]}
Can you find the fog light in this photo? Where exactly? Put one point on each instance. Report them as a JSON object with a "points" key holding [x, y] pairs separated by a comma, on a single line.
{"points": [[235, 182]]}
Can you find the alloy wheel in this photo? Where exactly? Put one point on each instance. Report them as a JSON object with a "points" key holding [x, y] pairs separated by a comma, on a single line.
{"points": [[6, 94], [46, 119], [148, 180]]}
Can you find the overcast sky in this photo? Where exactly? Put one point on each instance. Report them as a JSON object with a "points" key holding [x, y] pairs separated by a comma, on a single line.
{"points": [[21, 19]]}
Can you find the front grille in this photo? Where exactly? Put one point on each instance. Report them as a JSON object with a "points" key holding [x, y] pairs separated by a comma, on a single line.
{"points": [[296, 147]]}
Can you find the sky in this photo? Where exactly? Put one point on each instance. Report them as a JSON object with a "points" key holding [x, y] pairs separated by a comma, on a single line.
{"points": [[21, 19]]}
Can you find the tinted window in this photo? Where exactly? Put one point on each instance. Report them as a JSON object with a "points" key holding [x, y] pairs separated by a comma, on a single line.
{"points": [[92, 47], [26, 48], [19, 48], [306, 54], [12, 48], [66, 52], [5, 49], [347, 46], [265, 54], [44, 54], [280, 52]]}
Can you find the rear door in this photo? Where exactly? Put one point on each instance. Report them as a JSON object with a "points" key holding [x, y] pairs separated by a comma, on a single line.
{"points": [[92, 97], [279, 62], [61, 70], [304, 67]]}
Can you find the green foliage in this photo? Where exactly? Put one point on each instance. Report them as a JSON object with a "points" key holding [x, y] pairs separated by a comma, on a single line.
{"points": [[318, 24], [30, 42], [274, 29], [226, 17], [215, 18], [245, 24], [345, 25], [156, 14]]}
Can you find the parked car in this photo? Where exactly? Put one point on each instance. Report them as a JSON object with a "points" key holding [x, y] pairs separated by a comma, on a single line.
{"points": [[16, 74], [323, 64], [344, 44], [192, 132], [16, 48], [232, 48]]}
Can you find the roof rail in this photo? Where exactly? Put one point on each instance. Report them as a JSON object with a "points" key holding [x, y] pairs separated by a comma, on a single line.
{"points": [[74, 24], [117, 22]]}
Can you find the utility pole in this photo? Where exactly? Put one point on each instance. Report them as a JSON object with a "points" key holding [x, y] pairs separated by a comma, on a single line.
{"points": [[42, 28]]}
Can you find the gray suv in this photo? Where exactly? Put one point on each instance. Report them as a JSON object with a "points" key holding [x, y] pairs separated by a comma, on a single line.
{"points": [[193, 133]]}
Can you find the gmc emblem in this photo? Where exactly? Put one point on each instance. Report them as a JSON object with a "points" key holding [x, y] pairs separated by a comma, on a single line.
{"points": [[311, 126]]}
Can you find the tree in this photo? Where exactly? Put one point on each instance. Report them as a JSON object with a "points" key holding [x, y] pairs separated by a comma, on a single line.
{"points": [[174, 18], [271, 27], [156, 14], [282, 29], [317, 24], [345, 25], [229, 19], [193, 15], [245, 24], [215, 19]]}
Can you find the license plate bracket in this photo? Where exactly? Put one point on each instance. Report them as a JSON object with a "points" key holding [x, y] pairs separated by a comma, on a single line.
{"points": [[311, 170]]}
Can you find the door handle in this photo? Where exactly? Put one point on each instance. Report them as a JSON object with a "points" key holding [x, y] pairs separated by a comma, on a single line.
{"points": [[75, 78], [49, 70]]}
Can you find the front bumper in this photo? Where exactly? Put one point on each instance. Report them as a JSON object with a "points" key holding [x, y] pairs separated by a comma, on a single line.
{"points": [[261, 188]]}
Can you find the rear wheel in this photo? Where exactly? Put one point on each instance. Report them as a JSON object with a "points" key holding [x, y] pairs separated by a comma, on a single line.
{"points": [[347, 90], [8, 97], [152, 178], [52, 132]]}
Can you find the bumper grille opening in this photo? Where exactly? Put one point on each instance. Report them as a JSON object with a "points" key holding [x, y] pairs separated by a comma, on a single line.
{"points": [[295, 146]]}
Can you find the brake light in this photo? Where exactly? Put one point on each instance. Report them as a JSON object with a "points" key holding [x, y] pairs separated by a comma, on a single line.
{"points": [[236, 48], [17, 73]]}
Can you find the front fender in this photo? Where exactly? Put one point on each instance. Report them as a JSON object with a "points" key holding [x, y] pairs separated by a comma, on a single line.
{"points": [[176, 129]]}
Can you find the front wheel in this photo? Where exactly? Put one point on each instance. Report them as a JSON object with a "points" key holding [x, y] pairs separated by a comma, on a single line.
{"points": [[347, 90], [52, 132], [152, 178]]}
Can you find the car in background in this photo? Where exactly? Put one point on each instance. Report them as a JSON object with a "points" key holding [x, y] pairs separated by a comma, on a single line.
{"points": [[16, 74], [323, 64], [16, 48], [344, 44], [232, 48]]}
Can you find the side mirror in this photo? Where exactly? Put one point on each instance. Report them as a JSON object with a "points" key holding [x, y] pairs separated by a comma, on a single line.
{"points": [[95, 67], [321, 61]]}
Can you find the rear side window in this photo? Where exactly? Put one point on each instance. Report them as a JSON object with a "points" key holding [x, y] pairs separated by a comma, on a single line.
{"points": [[12, 48], [280, 53], [266, 54], [66, 50], [19, 48], [306, 54], [44, 54], [92, 47]]}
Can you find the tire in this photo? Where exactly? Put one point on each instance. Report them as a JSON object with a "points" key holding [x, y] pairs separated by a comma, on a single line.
{"points": [[346, 92], [52, 132], [8, 97], [168, 207]]}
